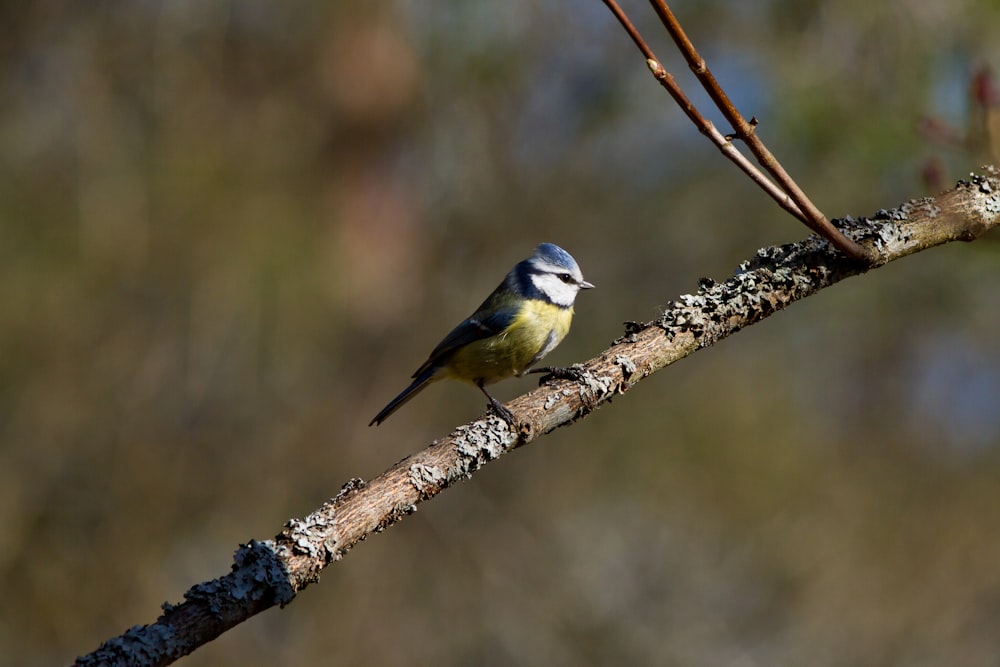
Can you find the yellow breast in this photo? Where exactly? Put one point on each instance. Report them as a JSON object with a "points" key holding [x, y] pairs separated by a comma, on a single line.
{"points": [[538, 326]]}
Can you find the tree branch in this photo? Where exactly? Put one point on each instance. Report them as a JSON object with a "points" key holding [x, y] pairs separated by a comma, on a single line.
{"points": [[786, 192], [705, 126], [271, 572]]}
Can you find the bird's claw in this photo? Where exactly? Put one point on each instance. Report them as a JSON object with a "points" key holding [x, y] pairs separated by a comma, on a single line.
{"points": [[503, 413], [574, 373]]}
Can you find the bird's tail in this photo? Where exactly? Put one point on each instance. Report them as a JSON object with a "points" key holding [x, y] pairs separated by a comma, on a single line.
{"points": [[415, 388]]}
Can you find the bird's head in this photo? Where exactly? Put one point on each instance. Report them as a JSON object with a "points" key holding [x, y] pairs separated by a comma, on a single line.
{"points": [[555, 274]]}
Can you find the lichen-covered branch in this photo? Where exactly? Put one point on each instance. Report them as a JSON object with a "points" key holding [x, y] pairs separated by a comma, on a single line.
{"points": [[271, 572]]}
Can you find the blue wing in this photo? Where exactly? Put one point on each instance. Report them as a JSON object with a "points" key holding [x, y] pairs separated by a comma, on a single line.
{"points": [[476, 327], [489, 320], [495, 315]]}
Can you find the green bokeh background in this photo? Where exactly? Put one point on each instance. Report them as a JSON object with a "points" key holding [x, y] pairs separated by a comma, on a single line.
{"points": [[230, 231]]}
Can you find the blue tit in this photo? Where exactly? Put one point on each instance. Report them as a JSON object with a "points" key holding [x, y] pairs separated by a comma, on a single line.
{"points": [[518, 324]]}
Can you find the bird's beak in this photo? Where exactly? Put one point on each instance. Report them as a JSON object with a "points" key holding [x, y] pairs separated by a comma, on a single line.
{"points": [[585, 285]]}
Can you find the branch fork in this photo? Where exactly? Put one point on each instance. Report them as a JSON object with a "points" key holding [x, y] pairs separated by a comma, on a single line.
{"points": [[783, 189]]}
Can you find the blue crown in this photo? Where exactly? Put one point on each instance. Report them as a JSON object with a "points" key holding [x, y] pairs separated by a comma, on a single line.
{"points": [[553, 254]]}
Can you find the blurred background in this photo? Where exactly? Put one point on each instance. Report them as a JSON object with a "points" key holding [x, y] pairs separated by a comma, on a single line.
{"points": [[230, 231]]}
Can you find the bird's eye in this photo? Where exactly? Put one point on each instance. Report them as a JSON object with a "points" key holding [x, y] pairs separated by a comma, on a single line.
{"points": [[566, 278]]}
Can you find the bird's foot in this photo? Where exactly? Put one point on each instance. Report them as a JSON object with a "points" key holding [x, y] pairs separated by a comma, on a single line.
{"points": [[503, 413], [574, 372]]}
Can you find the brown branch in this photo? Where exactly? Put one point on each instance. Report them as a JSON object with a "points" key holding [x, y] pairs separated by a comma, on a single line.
{"points": [[271, 572], [746, 131], [786, 192], [704, 125]]}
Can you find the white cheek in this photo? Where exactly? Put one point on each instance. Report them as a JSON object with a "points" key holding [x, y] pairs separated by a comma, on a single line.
{"points": [[559, 292]]}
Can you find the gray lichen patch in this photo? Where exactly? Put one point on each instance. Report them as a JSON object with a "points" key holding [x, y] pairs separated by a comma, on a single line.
{"points": [[481, 442], [626, 364], [427, 479]]}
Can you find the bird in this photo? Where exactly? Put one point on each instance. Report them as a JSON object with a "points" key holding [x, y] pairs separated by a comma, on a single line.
{"points": [[524, 319]]}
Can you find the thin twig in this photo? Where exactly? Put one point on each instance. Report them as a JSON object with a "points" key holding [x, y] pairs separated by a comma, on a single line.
{"points": [[746, 131], [724, 144], [704, 125], [786, 192]]}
